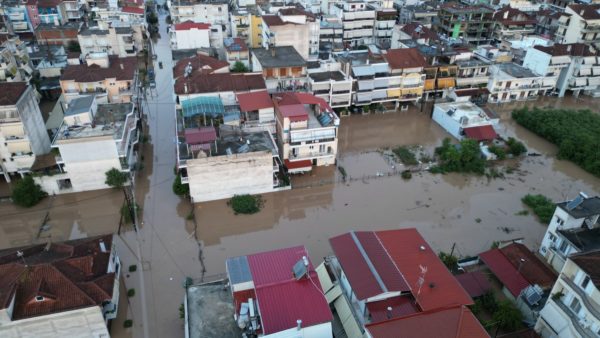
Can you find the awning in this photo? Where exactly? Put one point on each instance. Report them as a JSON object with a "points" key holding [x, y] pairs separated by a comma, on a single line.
{"points": [[481, 133], [298, 166]]}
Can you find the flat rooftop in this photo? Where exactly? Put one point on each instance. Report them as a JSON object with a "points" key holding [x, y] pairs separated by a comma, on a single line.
{"points": [[245, 143], [357, 58], [469, 110], [516, 71], [324, 76], [210, 311], [110, 120], [471, 63]]}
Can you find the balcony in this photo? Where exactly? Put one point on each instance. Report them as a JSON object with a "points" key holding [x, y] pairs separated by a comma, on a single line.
{"points": [[310, 155], [589, 304], [20, 26], [16, 16], [587, 333]]}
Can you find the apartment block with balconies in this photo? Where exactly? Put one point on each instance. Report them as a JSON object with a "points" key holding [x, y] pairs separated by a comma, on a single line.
{"points": [[510, 82], [17, 16], [472, 23], [573, 309], [511, 23], [385, 20], [113, 41], [283, 68], [214, 12], [358, 20], [580, 23], [330, 83]]}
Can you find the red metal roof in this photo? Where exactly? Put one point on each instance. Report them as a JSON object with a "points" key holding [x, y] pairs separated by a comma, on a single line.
{"points": [[454, 322], [254, 101], [501, 267], [200, 135], [533, 269], [475, 283], [440, 288], [275, 266], [298, 164], [481, 133], [401, 306], [187, 25], [288, 98], [133, 10], [295, 112]]}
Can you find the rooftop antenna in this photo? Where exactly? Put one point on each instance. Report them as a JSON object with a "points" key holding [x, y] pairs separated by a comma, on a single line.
{"points": [[421, 279]]}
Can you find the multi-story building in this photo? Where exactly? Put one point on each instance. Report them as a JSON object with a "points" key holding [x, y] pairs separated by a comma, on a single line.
{"points": [[472, 74], [327, 81], [573, 310], [571, 65], [385, 19], [307, 131], [190, 35], [14, 59], [510, 82], [471, 23], [110, 78], [236, 50], [292, 27], [358, 20], [93, 139], [214, 12], [52, 12], [17, 15], [66, 289], [118, 41], [57, 35], [579, 23], [331, 34], [283, 68], [573, 229], [23, 134], [32, 11], [412, 31], [240, 21], [73, 10], [423, 14], [439, 79], [465, 120], [511, 23]]}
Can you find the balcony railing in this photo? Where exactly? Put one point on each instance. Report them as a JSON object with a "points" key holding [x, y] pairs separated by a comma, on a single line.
{"points": [[575, 321], [312, 154], [589, 304]]}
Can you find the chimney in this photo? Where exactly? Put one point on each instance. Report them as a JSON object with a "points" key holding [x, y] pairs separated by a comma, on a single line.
{"points": [[121, 65], [568, 48], [389, 312], [272, 52], [299, 322]]}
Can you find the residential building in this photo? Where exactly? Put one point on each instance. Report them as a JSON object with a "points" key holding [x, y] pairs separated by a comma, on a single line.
{"points": [[49, 61], [292, 27], [93, 139], [472, 73], [465, 120], [47, 34], [255, 30], [330, 83], [518, 47], [190, 35], [572, 65], [23, 134], [547, 22], [331, 34], [423, 14], [382, 283], [510, 82], [14, 59], [573, 308], [412, 31], [117, 41], [32, 11], [240, 20], [283, 68], [579, 23], [491, 54], [110, 78], [525, 5], [406, 70], [73, 10], [470, 23], [439, 80], [213, 12], [68, 289], [236, 50], [358, 20], [385, 20], [307, 131], [511, 23], [257, 111], [52, 12], [574, 228], [17, 15]]}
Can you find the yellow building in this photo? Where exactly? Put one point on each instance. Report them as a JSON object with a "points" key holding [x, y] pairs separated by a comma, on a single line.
{"points": [[255, 31]]}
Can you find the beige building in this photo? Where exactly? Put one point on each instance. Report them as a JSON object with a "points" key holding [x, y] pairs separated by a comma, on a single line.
{"points": [[110, 78], [292, 27], [117, 41]]}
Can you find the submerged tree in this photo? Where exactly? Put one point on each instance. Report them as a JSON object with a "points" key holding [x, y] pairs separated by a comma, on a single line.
{"points": [[27, 193]]}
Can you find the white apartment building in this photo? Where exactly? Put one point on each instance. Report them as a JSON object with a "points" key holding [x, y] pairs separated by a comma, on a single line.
{"points": [[573, 229], [385, 19], [510, 82], [23, 134], [331, 84], [579, 23], [573, 309], [214, 12], [92, 139], [190, 35], [14, 59], [331, 34], [462, 119], [117, 41], [292, 27], [307, 131], [358, 20]]}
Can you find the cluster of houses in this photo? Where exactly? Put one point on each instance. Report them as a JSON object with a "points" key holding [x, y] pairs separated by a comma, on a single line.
{"points": [[392, 284]]}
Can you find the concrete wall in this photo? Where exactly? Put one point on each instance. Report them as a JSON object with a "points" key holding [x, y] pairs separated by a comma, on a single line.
{"points": [[87, 322], [448, 123], [289, 35], [191, 39], [537, 61], [220, 177], [32, 120], [316, 331]]}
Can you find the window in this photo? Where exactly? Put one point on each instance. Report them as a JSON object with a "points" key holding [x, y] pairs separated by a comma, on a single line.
{"points": [[575, 305], [552, 237], [585, 282], [560, 221], [563, 247]]}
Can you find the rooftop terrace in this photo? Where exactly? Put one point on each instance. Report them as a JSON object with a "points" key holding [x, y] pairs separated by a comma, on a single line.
{"points": [[110, 120], [218, 322]]}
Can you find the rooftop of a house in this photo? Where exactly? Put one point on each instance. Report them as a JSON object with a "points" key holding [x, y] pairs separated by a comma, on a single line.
{"points": [[587, 12], [299, 107], [235, 45], [583, 238], [48, 3], [529, 265], [219, 82], [359, 58], [475, 283], [57, 277], [93, 31], [248, 143], [110, 120], [472, 63], [573, 49], [326, 76], [456, 8], [589, 262], [132, 10], [218, 322], [581, 206], [448, 322], [512, 70], [503, 269], [512, 16], [190, 25], [254, 101], [199, 63], [416, 30], [298, 10], [460, 111], [405, 58], [276, 57], [120, 69], [11, 92], [80, 105], [51, 27]]}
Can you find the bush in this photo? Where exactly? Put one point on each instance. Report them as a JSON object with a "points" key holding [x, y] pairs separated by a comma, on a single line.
{"points": [[181, 311], [465, 157], [239, 67], [405, 155], [130, 293], [133, 268], [507, 316], [127, 214], [128, 323], [73, 46], [179, 188], [489, 302], [450, 261], [515, 147], [246, 204], [542, 206], [115, 178], [499, 152], [27, 193], [574, 132], [343, 172], [406, 174]]}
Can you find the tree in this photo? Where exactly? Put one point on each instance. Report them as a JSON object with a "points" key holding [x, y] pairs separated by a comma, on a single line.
{"points": [[507, 317], [115, 178], [450, 261], [246, 204], [27, 193], [152, 18], [239, 67], [465, 157], [179, 188], [74, 47]]}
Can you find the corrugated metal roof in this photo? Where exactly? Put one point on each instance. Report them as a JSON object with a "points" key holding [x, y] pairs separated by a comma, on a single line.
{"points": [[401, 306], [238, 270], [502, 268], [481, 133], [475, 283], [254, 101], [275, 266]]}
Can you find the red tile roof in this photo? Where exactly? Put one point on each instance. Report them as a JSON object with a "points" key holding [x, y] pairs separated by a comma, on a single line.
{"points": [[298, 99], [405, 58], [274, 20], [298, 164], [475, 283], [514, 17], [11, 92], [502, 268], [481, 133], [440, 288], [533, 269], [200, 135], [200, 63], [454, 322], [415, 32], [590, 263], [188, 25], [119, 68], [587, 12], [69, 275], [282, 299], [254, 101], [211, 83], [133, 10], [572, 49], [48, 3]]}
